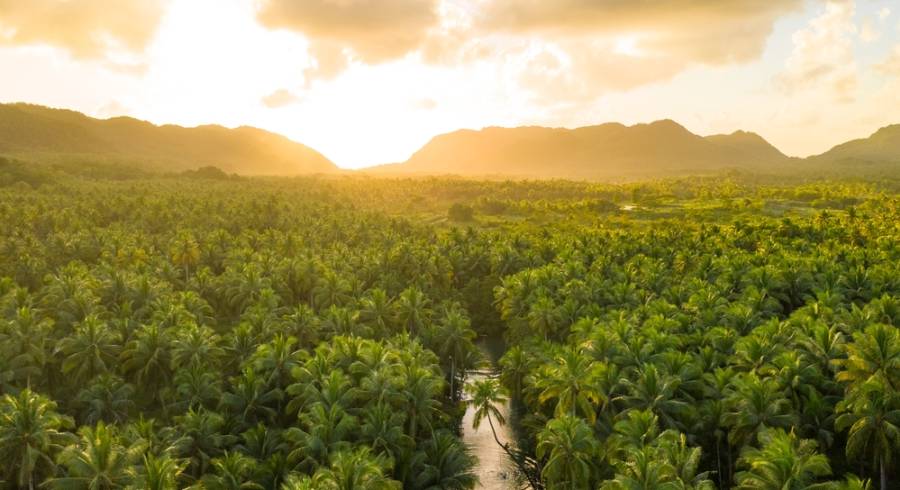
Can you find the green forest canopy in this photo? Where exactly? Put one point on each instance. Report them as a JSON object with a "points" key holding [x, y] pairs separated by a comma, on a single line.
{"points": [[231, 332]]}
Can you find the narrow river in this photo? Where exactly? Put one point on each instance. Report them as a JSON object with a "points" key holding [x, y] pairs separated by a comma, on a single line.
{"points": [[494, 469]]}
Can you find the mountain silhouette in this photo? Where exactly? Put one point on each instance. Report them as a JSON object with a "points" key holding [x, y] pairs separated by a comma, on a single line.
{"points": [[39, 133]]}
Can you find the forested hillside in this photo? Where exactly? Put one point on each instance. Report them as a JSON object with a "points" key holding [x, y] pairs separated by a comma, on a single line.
{"points": [[318, 332], [42, 134]]}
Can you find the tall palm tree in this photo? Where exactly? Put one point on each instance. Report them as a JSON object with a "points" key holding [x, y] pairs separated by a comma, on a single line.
{"points": [[98, 462], [784, 461], [570, 449], [31, 435]]}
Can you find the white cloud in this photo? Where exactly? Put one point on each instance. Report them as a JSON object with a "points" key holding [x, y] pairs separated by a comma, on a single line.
{"points": [[823, 57]]}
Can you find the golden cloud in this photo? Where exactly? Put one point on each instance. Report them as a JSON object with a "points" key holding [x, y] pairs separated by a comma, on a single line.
{"points": [[695, 30], [375, 31], [85, 28]]}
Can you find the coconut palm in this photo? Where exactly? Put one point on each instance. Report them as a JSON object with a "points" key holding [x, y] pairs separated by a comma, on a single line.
{"points": [[31, 435], [570, 449], [98, 461], [91, 350], [572, 383], [783, 461]]}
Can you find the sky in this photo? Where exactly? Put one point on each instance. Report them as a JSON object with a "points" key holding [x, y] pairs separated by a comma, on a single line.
{"points": [[367, 82]]}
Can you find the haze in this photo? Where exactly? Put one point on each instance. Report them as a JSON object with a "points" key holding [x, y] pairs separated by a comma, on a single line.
{"points": [[389, 75]]}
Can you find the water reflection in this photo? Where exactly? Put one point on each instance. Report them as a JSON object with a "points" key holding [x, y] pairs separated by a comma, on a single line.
{"points": [[494, 469]]}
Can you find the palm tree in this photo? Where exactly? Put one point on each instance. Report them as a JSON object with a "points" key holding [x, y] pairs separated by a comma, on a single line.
{"points": [[157, 473], [25, 340], [656, 392], [569, 446], [107, 398], [783, 461], [30, 437], [486, 395], [377, 311], [98, 462], [873, 416], [753, 405], [185, 254], [148, 358], [201, 438], [454, 339], [572, 382], [643, 469], [91, 349], [356, 470], [195, 345], [412, 310], [232, 471], [874, 355], [449, 465]]}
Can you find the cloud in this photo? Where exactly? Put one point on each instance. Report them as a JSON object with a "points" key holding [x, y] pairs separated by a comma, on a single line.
{"points": [[891, 65], [823, 57], [868, 33], [670, 35], [280, 98], [87, 29], [691, 30], [591, 47], [367, 30]]}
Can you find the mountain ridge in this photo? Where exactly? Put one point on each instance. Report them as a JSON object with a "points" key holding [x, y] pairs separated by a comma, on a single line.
{"points": [[608, 150], [43, 133]]}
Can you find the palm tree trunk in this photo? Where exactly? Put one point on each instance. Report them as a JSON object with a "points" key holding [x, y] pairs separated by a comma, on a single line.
{"points": [[452, 379], [884, 482], [512, 457], [719, 460]]}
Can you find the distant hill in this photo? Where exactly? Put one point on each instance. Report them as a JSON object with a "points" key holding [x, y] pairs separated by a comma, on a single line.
{"points": [[880, 149], [54, 135], [604, 151]]}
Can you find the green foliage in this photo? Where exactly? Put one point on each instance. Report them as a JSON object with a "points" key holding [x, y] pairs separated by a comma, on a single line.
{"points": [[316, 332]]}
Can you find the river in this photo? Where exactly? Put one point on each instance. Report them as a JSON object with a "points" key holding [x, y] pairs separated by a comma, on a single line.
{"points": [[494, 469]]}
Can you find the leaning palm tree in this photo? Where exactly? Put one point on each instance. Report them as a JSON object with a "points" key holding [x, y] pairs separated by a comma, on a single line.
{"points": [[30, 437], [485, 396], [783, 462], [98, 462]]}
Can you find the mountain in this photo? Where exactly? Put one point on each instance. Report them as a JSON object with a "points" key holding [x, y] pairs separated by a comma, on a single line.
{"points": [[608, 150], [54, 135], [882, 147]]}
